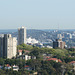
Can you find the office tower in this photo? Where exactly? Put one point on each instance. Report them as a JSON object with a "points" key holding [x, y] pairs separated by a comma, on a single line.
{"points": [[21, 35], [59, 44], [8, 46]]}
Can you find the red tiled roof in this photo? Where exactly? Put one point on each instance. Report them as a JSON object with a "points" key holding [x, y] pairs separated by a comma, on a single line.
{"points": [[26, 66], [8, 65], [72, 62], [54, 59], [24, 50], [19, 50], [47, 57], [59, 60]]}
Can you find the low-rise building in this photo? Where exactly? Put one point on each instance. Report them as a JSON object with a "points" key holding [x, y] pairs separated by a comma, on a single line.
{"points": [[33, 57], [73, 63], [25, 57], [15, 68], [1, 67], [7, 66], [20, 52], [54, 59], [27, 67]]}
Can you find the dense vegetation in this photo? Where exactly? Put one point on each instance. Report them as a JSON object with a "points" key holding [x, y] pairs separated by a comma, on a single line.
{"points": [[43, 67]]}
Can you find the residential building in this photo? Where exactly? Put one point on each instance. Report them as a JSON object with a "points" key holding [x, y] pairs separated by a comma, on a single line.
{"points": [[59, 44], [15, 68], [7, 66], [1, 67], [21, 35], [33, 57], [73, 63], [54, 59], [8, 46], [20, 52], [25, 57], [27, 67], [40, 45]]}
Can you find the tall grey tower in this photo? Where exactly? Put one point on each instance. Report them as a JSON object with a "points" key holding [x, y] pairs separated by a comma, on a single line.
{"points": [[21, 35]]}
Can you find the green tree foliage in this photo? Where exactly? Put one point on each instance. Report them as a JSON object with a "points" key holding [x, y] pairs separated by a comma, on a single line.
{"points": [[35, 64], [68, 59], [43, 72], [71, 49], [1, 61], [43, 67], [11, 72], [35, 52], [24, 47]]}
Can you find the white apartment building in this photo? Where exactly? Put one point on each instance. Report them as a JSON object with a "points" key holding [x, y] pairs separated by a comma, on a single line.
{"points": [[8, 46]]}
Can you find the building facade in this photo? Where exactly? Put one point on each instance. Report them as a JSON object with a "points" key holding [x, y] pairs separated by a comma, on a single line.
{"points": [[1, 45], [59, 44], [8, 46], [21, 35]]}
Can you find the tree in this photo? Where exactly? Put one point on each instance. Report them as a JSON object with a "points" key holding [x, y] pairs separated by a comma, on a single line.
{"points": [[24, 47], [35, 64], [1, 61]]}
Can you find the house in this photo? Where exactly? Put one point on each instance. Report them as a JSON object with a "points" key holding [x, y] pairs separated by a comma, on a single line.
{"points": [[27, 67], [35, 73], [25, 57], [7, 66], [15, 68], [44, 54], [47, 57], [54, 59], [20, 52], [33, 57], [73, 63]]}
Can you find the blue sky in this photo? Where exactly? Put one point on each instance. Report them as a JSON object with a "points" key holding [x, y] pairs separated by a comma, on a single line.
{"points": [[37, 14]]}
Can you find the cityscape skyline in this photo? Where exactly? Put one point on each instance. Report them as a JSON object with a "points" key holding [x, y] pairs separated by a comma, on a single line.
{"points": [[39, 14], [37, 37]]}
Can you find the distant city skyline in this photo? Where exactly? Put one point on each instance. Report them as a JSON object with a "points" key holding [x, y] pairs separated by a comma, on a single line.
{"points": [[37, 14]]}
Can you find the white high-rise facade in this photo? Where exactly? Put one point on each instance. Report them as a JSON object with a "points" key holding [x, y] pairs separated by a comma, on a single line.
{"points": [[8, 46], [21, 35]]}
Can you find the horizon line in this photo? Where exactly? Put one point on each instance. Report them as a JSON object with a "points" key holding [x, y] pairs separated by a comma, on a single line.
{"points": [[40, 29]]}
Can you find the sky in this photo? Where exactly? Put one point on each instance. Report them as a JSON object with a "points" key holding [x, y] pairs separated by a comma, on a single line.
{"points": [[37, 14]]}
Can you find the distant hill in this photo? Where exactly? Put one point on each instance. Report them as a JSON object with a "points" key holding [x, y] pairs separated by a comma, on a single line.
{"points": [[40, 35]]}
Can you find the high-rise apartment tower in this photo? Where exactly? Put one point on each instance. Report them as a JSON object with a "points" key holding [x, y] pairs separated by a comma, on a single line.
{"points": [[8, 46], [59, 43], [21, 35]]}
